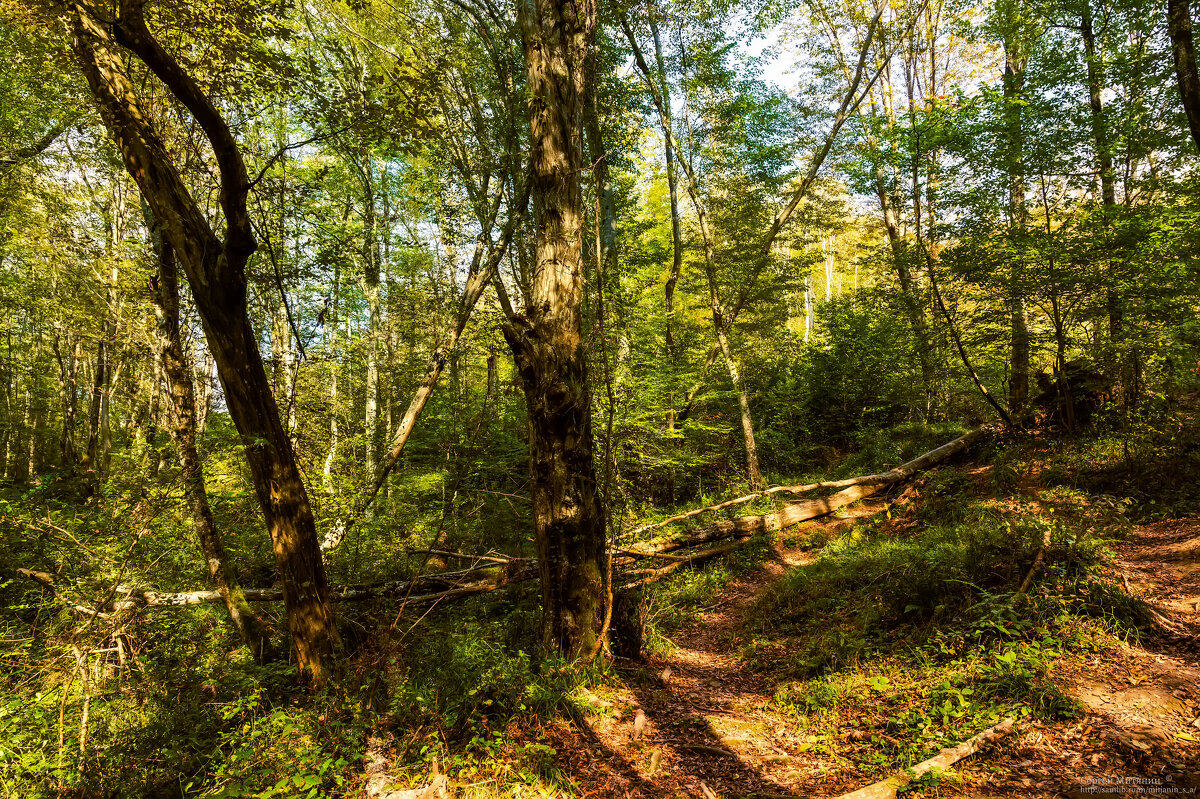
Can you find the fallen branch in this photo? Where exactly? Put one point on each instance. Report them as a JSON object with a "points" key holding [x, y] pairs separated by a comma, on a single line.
{"points": [[796, 512], [887, 789], [47, 582], [729, 503], [500, 571], [438, 586], [881, 479], [657, 574], [1037, 563], [442, 553]]}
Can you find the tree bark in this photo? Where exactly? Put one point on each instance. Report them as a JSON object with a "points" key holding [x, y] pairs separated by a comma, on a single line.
{"points": [[1183, 48], [216, 272], [1014, 86], [371, 290], [1108, 192], [178, 374], [547, 339], [673, 189]]}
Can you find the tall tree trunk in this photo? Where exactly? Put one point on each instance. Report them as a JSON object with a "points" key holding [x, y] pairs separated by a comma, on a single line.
{"points": [[493, 378], [99, 385], [178, 373], [910, 293], [33, 463], [482, 272], [1014, 87], [329, 320], [371, 290], [216, 272], [1100, 139], [1183, 48], [153, 413], [204, 391], [68, 370], [673, 189], [284, 363], [547, 339]]}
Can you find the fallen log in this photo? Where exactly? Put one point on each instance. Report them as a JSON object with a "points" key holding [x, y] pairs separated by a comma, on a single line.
{"points": [[437, 587], [657, 574], [47, 582], [796, 512], [505, 571], [729, 503], [887, 789]]}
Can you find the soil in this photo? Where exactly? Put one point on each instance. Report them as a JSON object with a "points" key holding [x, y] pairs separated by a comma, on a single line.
{"points": [[696, 723]]}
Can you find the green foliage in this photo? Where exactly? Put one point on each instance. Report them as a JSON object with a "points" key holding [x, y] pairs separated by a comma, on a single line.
{"points": [[856, 375]]}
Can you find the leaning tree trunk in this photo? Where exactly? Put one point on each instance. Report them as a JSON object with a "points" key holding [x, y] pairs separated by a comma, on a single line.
{"points": [[547, 340], [910, 292], [216, 272], [722, 321], [1179, 22], [182, 394]]}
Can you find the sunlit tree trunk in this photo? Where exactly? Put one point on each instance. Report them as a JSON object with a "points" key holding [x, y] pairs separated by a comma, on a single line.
{"points": [[1015, 60], [330, 316], [1100, 140], [371, 291], [673, 189], [547, 338], [204, 390], [216, 272], [32, 463]]}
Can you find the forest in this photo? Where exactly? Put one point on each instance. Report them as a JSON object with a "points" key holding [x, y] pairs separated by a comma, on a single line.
{"points": [[573, 398]]}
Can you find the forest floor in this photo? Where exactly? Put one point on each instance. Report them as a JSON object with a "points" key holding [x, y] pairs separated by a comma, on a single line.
{"points": [[697, 721]]}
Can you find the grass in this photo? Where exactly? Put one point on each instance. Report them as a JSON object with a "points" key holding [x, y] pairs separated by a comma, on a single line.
{"points": [[907, 634], [904, 635]]}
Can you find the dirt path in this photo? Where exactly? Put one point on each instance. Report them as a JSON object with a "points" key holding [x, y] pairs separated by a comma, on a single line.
{"points": [[703, 726], [1139, 732]]}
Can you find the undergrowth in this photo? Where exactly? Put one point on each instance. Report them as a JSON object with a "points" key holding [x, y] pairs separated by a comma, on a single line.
{"points": [[909, 633]]}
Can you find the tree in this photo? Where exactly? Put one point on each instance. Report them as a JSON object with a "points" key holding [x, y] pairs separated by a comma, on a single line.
{"points": [[1179, 23], [546, 337], [216, 272], [178, 373]]}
